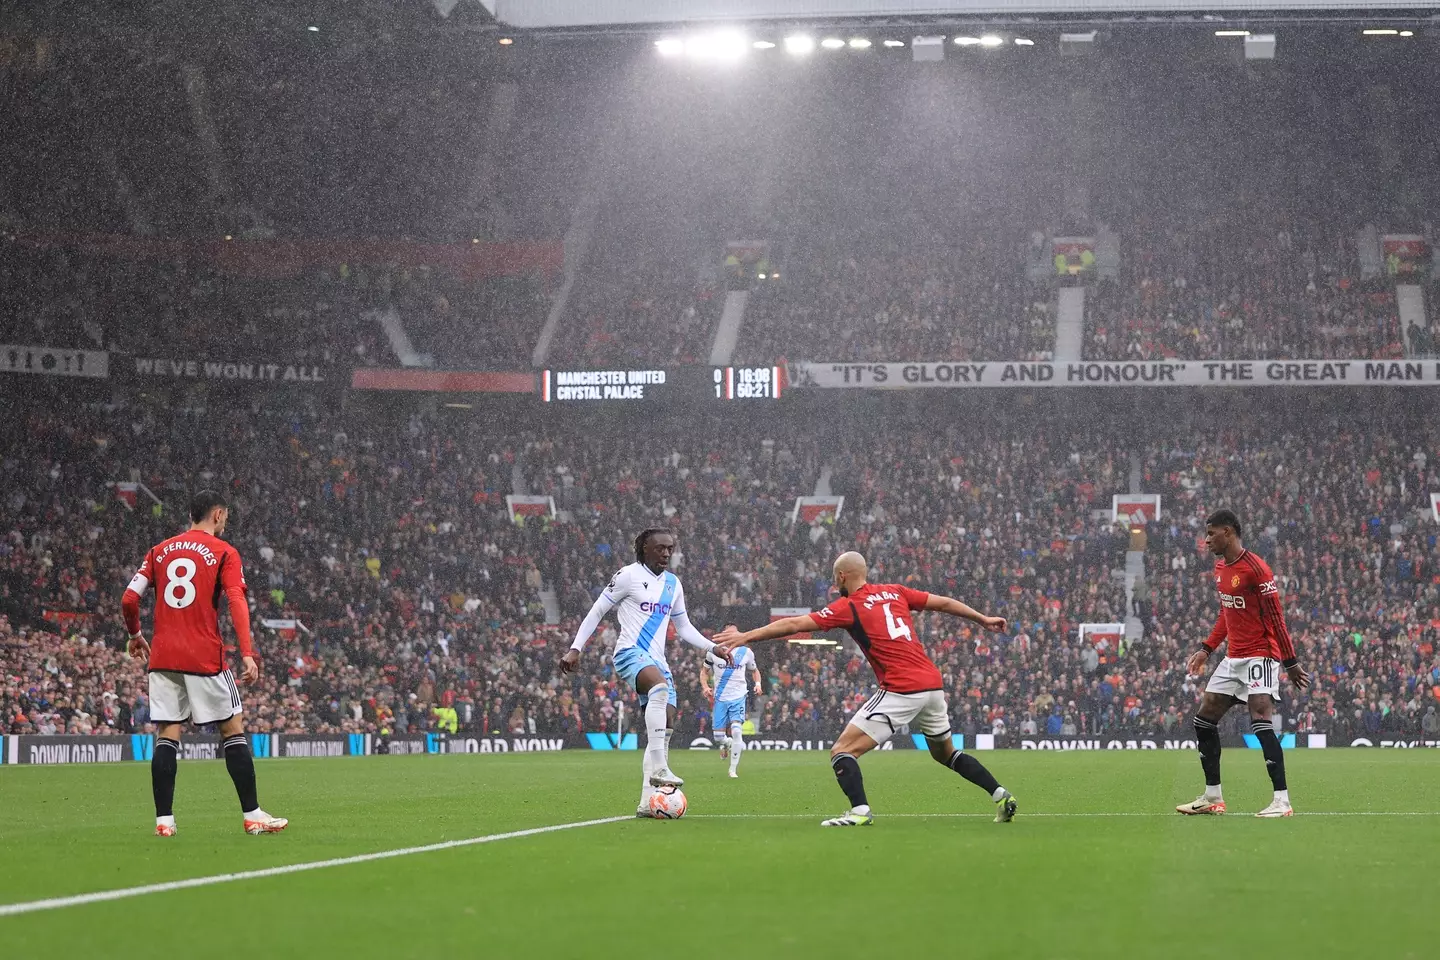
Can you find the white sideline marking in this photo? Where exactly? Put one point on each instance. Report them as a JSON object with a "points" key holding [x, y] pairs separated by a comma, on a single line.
{"points": [[11, 909], [1028, 816]]}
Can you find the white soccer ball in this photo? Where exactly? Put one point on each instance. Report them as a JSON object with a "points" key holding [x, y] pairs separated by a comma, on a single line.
{"points": [[668, 803]]}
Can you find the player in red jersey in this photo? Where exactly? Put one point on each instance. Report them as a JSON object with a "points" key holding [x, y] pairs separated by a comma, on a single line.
{"points": [[877, 617], [1253, 623], [188, 678]]}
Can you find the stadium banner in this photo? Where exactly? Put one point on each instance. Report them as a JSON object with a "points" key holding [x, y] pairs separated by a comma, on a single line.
{"points": [[521, 507], [1061, 742], [1073, 255], [320, 745], [69, 749], [228, 371], [1407, 255], [1136, 509], [1435, 506], [1140, 373], [438, 743], [286, 627], [1104, 637], [817, 510], [759, 741], [780, 613], [441, 381], [496, 744], [49, 362], [1402, 744]]}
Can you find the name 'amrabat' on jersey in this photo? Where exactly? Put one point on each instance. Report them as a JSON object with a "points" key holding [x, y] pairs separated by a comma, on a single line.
{"points": [[648, 603]]}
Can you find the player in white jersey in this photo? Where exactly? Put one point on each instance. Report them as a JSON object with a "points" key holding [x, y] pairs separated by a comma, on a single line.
{"points": [[728, 694], [650, 598]]}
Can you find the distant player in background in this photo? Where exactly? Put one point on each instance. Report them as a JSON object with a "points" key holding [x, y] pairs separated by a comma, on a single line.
{"points": [[877, 617], [188, 677], [727, 721], [650, 598], [1253, 623]]}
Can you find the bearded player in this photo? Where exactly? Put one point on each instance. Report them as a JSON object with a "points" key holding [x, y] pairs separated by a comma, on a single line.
{"points": [[877, 617], [188, 676], [1253, 623]]}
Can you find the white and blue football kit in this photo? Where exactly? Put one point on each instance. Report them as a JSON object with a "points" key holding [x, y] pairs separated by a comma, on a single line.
{"points": [[730, 688], [648, 603]]}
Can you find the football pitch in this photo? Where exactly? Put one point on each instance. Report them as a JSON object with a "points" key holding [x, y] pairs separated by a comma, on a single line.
{"points": [[1095, 865]]}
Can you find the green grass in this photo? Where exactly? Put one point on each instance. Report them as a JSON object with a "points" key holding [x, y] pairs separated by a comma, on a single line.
{"points": [[725, 886]]}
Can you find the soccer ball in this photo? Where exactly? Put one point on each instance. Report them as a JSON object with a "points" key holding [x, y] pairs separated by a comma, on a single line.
{"points": [[668, 803]]}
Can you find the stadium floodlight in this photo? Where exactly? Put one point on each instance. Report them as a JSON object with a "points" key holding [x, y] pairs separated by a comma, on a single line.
{"points": [[799, 44], [1232, 33], [1380, 33], [670, 46], [832, 43], [1024, 42], [990, 40], [506, 41], [966, 41], [894, 43], [859, 43], [313, 29], [721, 45], [763, 45]]}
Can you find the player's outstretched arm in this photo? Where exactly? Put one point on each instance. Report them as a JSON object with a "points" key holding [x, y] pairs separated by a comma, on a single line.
{"points": [[730, 638], [964, 611], [687, 632]]}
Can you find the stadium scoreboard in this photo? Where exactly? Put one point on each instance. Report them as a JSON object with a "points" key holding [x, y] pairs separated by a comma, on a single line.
{"points": [[675, 384]]}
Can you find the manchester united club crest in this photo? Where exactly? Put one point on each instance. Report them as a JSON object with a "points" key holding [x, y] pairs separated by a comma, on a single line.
{"points": [[1235, 581]]}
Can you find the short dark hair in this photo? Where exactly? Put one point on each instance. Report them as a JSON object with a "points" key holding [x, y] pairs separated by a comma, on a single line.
{"points": [[644, 537], [1224, 518], [203, 503]]}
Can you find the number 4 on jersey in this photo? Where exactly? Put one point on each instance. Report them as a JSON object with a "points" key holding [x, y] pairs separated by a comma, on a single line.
{"points": [[898, 628]]}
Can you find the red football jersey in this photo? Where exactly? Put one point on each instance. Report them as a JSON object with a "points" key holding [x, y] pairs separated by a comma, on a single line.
{"points": [[877, 616], [189, 573], [1250, 614]]}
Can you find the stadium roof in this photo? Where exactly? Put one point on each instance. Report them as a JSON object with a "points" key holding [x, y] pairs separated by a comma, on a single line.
{"points": [[542, 14]]}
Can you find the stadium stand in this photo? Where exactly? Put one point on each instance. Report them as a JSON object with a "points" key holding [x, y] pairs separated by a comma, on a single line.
{"points": [[389, 541]]}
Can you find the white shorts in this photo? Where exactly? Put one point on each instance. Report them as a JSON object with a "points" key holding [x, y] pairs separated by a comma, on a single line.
{"points": [[177, 697], [885, 713], [1240, 678]]}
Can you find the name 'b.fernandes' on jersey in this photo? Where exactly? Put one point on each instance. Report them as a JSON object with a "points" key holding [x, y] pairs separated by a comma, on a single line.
{"points": [[1251, 617], [877, 617], [190, 572]]}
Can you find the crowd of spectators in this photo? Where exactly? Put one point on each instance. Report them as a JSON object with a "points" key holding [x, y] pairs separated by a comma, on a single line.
{"points": [[470, 324], [1228, 290], [905, 302], [186, 309], [389, 540], [651, 312]]}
